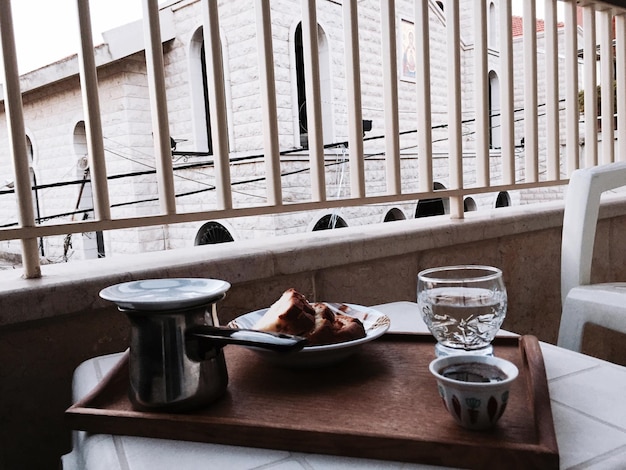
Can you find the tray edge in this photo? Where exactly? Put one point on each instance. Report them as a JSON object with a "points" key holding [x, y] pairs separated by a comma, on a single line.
{"points": [[544, 452]]}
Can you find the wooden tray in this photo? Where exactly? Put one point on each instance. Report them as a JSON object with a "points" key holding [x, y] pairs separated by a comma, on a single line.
{"points": [[381, 403]]}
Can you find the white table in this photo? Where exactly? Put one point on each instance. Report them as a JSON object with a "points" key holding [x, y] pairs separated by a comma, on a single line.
{"points": [[588, 405]]}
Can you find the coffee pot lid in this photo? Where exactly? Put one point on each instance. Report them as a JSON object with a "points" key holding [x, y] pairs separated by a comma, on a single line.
{"points": [[165, 294]]}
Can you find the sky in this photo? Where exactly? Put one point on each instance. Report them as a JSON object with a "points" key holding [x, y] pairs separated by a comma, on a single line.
{"points": [[517, 8], [47, 30]]}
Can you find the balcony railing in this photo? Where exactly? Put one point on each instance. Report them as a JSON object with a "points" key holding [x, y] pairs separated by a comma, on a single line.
{"points": [[559, 56]]}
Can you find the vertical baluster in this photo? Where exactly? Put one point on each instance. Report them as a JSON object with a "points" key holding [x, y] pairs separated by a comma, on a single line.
{"points": [[158, 105], [606, 80], [353, 88], [571, 84], [91, 106], [390, 93], [552, 92], [507, 112], [313, 99], [268, 103], [481, 89], [17, 140], [422, 88], [620, 80], [590, 82], [217, 102], [454, 106], [531, 144]]}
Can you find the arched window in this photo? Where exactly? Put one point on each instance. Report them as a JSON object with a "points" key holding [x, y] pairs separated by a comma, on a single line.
{"points": [[434, 206], [31, 167], [33, 178], [33, 184], [205, 96], [492, 26], [469, 205], [503, 199], [79, 140], [212, 233], [325, 87], [200, 109], [394, 214], [329, 222], [495, 141], [92, 242]]}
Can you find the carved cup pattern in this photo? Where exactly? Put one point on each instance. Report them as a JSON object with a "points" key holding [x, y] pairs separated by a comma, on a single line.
{"points": [[473, 406]]}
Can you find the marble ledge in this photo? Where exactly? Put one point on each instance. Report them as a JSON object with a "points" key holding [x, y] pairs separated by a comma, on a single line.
{"points": [[76, 284]]}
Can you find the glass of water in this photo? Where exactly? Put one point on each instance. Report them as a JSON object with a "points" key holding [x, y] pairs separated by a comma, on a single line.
{"points": [[463, 307]]}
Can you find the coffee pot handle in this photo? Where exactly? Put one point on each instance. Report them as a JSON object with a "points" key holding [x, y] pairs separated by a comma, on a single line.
{"points": [[222, 336]]}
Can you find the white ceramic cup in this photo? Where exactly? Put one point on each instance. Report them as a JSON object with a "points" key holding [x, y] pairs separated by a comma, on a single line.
{"points": [[474, 403]]}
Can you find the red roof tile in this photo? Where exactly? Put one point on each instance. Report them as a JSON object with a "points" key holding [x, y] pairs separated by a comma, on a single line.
{"points": [[517, 26]]}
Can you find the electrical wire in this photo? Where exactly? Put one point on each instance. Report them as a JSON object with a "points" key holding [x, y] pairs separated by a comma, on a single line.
{"points": [[210, 187]]}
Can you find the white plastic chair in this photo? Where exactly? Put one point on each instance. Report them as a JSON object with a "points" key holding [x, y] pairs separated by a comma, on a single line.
{"points": [[601, 304]]}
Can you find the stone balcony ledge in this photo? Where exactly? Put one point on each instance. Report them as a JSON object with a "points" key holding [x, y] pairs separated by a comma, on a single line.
{"points": [[72, 288]]}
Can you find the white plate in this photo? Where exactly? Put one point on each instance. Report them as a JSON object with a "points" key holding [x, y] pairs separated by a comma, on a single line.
{"points": [[165, 294], [375, 323]]}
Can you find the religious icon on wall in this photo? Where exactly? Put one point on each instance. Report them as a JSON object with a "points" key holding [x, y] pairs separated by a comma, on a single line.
{"points": [[408, 58]]}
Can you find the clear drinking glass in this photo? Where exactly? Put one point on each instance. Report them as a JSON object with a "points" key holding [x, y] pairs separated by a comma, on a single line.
{"points": [[463, 307]]}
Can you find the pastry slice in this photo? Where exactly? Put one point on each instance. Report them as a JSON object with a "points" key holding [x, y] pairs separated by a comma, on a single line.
{"points": [[290, 314]]}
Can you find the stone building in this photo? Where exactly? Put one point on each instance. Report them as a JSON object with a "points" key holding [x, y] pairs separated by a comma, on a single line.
{"points": [[55, 128]]}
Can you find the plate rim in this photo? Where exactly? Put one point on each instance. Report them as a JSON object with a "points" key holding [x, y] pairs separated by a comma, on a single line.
{"points": [[335, 346]]}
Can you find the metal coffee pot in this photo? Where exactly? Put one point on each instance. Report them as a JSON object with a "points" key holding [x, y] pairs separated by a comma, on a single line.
{"points": [[176, 358]]}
